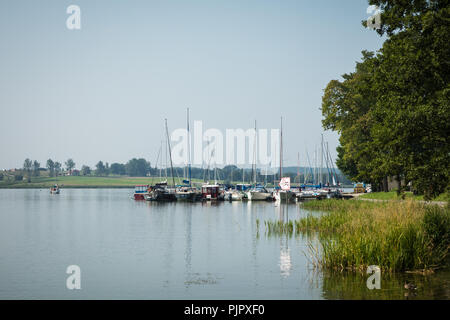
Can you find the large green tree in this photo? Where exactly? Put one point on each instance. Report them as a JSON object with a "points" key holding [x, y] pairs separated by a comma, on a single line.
{"points": [[118, 168], [393, 111], [50, 167], [137, 167], [100, 169], [36, 166], [85, 170], [58, 167], [70, 165], [27, 166]]}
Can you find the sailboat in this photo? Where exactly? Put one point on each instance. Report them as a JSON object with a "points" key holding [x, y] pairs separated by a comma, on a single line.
{"points": [[284, 194], [188, 192], [257, 192], [161, 191]]}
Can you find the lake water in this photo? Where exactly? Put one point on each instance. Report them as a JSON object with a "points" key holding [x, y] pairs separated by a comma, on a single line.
{"points": [[130, 249]]}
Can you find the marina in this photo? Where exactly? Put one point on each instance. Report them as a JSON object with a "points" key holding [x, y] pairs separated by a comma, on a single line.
{"points": [[320, 185]]}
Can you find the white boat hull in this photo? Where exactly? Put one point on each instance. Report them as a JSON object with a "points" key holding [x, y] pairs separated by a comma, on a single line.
{"points": [[258, 196], [284, 196]]}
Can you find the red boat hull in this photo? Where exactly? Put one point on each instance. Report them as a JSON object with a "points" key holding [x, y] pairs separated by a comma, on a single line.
{"points": [[139, 196]]}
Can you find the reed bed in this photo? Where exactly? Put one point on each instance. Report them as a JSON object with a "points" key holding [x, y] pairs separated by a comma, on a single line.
{"points": [[396, 236]]}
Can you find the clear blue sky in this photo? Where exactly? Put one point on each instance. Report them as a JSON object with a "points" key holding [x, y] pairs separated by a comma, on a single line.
{"points": [[102, 92]]}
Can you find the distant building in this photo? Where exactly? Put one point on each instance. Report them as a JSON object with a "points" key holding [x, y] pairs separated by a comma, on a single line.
{"points": [[74, 172]]}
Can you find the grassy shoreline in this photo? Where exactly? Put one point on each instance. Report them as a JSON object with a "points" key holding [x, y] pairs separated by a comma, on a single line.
{"points": [[81, 182], [392, 195], [396, 236]]}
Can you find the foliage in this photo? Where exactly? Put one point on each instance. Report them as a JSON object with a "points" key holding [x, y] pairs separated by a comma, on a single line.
{"points": [[137, 167], [27, 166], [36, 166], [51, 167], [85, 170], [100, 169], [58, 168], [70, 165], [393, 112], [118, 168]]}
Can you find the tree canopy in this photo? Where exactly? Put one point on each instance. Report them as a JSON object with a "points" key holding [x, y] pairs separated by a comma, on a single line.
{"points": [[392, 112], [70, 165]]}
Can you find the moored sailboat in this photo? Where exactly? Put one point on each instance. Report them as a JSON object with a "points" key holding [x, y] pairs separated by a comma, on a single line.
{"points": [[284, 194]]}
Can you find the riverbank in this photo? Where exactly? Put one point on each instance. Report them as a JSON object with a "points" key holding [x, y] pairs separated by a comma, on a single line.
{"points": [[79, 182], [397, 236], [392, 195]]}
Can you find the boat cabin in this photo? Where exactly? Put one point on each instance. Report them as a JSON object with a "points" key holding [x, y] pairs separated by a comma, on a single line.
{"points": [[140, 191], [210, 192], [243, 187]]}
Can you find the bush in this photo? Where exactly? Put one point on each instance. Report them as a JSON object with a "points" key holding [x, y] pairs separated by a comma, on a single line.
{"points": [[436, 224]]}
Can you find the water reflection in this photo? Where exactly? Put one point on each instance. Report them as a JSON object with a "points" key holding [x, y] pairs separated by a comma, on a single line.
{"points": [[351, 286], [285, 263], [149, 250], [188, 241]]}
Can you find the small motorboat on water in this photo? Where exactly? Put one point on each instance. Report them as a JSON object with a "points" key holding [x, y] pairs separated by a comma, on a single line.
{"points": [[284, 196], [234, 195], [140, 192], [259, 193], [54, 189]]}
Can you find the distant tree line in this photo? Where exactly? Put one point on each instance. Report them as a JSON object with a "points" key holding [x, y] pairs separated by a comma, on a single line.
{"points": [[142, 168], [31, 168], [393, 111]]}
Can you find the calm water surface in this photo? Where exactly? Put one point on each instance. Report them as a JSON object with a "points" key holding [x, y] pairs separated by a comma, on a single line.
{"points": [[140, 250]]}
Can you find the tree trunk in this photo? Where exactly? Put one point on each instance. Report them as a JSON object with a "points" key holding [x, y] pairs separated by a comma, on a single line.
{"points": [[385, 184]]}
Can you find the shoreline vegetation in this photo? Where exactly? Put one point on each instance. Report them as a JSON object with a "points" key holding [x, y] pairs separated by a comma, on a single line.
{"points": [[393, 195], [81, 182], [397, 236]]}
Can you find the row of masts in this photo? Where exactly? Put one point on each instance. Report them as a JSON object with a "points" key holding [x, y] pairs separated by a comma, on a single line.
{"points": [[314, 175]]}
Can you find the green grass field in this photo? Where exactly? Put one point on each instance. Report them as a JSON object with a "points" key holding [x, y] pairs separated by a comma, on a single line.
{"points": [[85, 182], [392, 195]]}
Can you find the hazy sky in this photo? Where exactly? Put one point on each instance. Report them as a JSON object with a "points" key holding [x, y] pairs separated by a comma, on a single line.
{"points": [[102, 92]]}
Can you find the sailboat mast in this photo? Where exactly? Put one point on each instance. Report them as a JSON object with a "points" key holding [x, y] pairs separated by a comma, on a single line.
{"points": [[254, 156], [328, 162], [281, 149], [160, 167], [321, 161], [189, 149], [170, 154]]}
